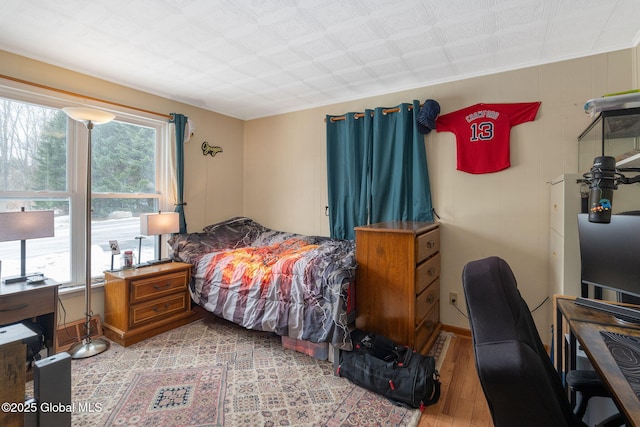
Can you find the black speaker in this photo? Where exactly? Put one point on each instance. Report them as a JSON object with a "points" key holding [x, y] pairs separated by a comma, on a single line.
{"points": [[52, 390]]}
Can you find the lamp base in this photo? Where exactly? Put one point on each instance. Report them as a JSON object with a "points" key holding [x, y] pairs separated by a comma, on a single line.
{"points": [[88, 347]]}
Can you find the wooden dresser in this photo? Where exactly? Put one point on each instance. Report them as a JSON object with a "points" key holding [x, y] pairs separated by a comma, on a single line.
{"points": [[142, 302], [398, 281]]}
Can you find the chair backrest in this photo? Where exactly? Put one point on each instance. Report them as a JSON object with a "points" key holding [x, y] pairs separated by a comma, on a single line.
{"points": [[519, 381]]}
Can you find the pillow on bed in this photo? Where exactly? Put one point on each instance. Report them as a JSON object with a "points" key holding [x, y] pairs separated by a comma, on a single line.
{"points": [[190, 247], [236, 229], [233, 233]]}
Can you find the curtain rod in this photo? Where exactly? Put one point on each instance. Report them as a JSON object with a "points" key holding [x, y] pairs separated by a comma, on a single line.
{"points": [[66, 92], [360, 115]]}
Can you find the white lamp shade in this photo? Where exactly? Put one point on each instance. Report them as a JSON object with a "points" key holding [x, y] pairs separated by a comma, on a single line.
{"points": [[25, 225], [86, 114], [159, 223]]}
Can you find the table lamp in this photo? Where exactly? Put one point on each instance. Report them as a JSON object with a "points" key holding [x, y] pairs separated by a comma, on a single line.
{"points": [[157, 224], [23, 226]]}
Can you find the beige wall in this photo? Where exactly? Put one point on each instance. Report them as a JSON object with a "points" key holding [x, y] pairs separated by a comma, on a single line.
{"points": [[636, 67], [504, 213]]}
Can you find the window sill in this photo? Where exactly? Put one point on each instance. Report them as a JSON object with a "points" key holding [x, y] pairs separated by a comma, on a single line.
{"points": [[72, 290]]}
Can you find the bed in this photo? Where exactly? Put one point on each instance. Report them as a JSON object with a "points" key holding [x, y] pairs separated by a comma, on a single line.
{"points": [[290, 284]]}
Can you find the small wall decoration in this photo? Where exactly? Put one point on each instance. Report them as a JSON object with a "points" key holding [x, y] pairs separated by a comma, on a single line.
{"points": [[208, 149]]}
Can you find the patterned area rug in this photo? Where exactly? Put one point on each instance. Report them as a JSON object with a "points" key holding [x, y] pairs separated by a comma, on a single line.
{"points": [[191, 397], [214, 373]]}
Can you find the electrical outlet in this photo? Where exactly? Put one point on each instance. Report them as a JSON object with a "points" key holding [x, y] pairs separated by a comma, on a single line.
{"points": [[453, 298]]}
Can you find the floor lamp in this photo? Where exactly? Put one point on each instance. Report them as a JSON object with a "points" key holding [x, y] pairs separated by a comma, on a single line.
{"points": [[88, 347]]}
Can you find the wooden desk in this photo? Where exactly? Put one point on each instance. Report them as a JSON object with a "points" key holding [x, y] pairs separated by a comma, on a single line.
{"points": [[22, 301], [585, 325]]}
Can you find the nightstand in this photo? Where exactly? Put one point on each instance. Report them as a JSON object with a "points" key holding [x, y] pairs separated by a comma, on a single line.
{"points": [[142, 302]]}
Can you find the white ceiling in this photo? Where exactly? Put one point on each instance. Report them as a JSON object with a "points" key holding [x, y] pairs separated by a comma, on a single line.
{"points": [[256, 58]]}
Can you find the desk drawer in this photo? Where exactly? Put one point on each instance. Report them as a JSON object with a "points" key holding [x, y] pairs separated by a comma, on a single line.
{"points": [[153, 287], [427, 272], [427, 244], [157, 309], [426, 300], [14, 308]]}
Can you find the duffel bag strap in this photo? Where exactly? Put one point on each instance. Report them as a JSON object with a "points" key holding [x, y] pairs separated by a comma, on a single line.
{"points": [[436, 391]]}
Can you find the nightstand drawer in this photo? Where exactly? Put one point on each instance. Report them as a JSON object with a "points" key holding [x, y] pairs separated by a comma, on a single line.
{"points": [[426, 300], [20, 306], [427, 244], [427, 272], [157, 309], [154, 287]]}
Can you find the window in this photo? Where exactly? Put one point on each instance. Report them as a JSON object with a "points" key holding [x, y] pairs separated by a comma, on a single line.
{"points": [[43, 166]]}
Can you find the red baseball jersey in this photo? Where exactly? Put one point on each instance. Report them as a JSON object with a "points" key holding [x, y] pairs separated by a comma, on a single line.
{"points": [[483, 131]]}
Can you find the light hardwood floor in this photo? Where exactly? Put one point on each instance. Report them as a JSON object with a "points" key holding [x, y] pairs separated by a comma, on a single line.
{"points": [[462, 402]]}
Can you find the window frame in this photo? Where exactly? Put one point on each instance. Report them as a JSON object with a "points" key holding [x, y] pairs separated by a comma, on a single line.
{"points": [[77, 136]]}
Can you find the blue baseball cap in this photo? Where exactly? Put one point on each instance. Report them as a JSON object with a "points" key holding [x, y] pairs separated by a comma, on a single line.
{"points": [[426, 119]]}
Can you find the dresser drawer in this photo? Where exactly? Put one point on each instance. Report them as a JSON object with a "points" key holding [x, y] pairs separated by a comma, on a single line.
{"points": [[426, 300], [154, 287], [428, 327], [427, 244], [157, 309], [23, 305], [427, 272]]}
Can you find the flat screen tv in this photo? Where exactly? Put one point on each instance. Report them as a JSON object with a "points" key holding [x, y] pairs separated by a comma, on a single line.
{"points": [[610, 253]]}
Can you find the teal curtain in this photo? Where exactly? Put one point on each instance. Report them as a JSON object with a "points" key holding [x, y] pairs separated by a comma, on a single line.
{"points": [[376, 169], [400, 188], [348, 158], [180, 121]]}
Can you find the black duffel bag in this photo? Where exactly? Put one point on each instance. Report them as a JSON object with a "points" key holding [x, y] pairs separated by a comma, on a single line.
{"points": [[398, 373]]}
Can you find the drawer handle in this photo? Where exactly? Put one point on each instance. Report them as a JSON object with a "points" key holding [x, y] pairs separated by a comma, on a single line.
{"points": [[430, 299], [158, 287], [431, 271], [14, 308], [429, 325], [431, 244], [166, 307]]}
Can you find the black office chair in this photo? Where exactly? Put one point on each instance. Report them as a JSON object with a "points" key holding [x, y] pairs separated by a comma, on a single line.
{"points": [[519, 381]]}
